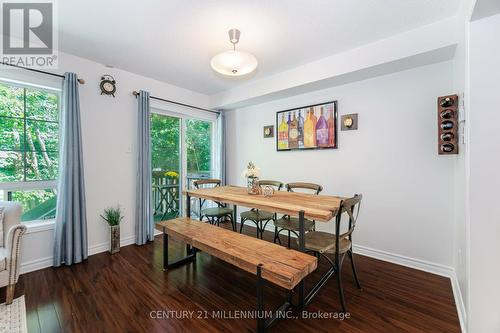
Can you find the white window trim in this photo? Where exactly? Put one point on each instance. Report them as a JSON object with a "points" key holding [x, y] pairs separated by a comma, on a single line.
{"points": [[28, 186], [35, 226]]}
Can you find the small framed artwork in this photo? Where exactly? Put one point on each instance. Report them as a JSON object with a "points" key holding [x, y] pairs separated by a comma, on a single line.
{"points": [[349, 122], [269, 131], [307, 127]]}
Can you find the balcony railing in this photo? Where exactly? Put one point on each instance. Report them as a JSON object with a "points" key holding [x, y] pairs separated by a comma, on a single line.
{"points": [[167, 193]]}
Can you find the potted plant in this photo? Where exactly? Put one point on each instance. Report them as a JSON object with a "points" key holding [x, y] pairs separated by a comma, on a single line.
{"points": [[172, 177], [113, 215], [252, 175]]}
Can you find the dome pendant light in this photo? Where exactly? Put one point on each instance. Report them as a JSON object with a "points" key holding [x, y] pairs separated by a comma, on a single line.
{"points": [[234, 63]]}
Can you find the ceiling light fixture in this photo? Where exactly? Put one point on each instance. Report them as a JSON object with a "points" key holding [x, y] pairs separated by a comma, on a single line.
{"points": [[234, 63]]}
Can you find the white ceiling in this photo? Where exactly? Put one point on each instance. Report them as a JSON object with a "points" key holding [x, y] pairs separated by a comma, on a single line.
{"points": [[173, 41]]}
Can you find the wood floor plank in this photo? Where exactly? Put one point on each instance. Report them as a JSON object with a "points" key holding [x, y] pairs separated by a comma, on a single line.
{"points": [[125, 292]]}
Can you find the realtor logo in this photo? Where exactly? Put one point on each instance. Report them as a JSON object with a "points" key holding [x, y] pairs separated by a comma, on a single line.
{"points": [[28, 34]]}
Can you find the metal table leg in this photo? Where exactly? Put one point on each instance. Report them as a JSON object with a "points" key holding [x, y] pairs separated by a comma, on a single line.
{"points": [[165, 249], [188, 214], [235, 215]]}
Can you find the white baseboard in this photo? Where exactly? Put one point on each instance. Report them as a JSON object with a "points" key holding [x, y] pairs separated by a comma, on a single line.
{"points": [[422, 265], [459, 301], [419, 264], [103, 247], [41, 263], [35, 265]]}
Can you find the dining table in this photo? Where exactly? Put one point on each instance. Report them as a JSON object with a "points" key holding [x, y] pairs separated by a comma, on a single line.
{"points": [[320, 208]]}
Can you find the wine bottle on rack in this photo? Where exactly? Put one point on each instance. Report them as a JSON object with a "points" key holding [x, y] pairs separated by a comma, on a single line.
{"points": [[447, 125], [447, 114], [446, 102], [447, 147], [448, 136]]}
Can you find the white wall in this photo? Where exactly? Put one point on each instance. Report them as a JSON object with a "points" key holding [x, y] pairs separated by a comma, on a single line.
{"points": [[392, 159], [109, 145], [484, 293]]}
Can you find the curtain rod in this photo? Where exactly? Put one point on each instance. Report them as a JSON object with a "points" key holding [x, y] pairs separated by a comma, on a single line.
{"points": [[81, 81], [135, 93]]}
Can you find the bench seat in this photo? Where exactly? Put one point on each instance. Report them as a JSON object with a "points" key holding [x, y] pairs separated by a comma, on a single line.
{"points": [[281, 266]]}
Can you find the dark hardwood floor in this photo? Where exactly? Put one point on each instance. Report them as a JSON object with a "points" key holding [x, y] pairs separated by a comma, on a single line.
{"points": [[119, 293]]}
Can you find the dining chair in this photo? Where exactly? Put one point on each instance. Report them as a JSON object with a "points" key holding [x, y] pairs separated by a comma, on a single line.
{"points": [[213, 214], [289, 223], [339, 244], [260, 217]]}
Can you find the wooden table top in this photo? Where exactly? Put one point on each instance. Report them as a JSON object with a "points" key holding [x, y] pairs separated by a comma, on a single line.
{"points": [[281, 266], [316, 207]]}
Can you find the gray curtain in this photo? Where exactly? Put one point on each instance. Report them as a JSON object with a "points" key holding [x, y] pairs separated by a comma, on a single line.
{"points": [[144, 227], [70, 245], [221, 139]]}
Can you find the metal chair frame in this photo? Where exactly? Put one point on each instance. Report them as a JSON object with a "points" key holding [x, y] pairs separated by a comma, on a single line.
{"points": [[290, 187], [261, 225], [351, 207], [213, 219]]}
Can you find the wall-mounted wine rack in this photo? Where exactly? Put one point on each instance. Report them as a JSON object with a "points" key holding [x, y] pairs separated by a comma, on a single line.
{"points": [[448, 125]]}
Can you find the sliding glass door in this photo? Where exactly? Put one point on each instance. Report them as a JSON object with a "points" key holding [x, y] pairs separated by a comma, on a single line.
{"points": [[166, 164], [182, 150]]}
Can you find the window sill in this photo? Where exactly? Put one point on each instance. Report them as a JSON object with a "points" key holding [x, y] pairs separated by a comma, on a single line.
{"points": [[39, 225]]}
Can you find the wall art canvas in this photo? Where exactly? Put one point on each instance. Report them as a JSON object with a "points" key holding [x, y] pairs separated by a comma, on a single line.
{"points": [[307, 127]]}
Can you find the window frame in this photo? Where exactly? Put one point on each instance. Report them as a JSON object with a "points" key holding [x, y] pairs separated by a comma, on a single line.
{"points": [[33, 185]]}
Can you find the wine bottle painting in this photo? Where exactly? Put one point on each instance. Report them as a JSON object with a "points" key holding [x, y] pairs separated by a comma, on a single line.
{"points": [[308, 127]]}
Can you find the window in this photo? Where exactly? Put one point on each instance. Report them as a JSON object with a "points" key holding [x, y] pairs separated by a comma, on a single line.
{"points": [[29, 148]]}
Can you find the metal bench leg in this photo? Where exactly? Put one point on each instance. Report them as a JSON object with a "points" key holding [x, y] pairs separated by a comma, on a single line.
{"points": [[263, 323], [261, 320], [187, 259]]}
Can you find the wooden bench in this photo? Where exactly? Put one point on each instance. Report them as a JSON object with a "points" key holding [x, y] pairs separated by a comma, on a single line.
{"points": [[268, 261]]}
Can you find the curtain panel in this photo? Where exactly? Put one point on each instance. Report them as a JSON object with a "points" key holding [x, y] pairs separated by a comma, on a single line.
{"points": [[70, 244], [144, 228], [221, 146]]}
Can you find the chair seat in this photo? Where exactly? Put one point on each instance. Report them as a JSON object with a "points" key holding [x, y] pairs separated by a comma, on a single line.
{"points": [[292, 223], [324, 242], [3, 259], [216, 211], [257, 215]]}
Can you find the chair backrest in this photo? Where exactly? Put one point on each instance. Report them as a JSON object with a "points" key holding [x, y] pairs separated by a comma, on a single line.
{"points": [[274, 183], [200, 182], [211, 182], [350, 207], [291, 187]]}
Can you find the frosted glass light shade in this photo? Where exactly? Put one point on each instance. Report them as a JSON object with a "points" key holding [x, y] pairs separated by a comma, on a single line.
{"points": [[234, 63]]}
